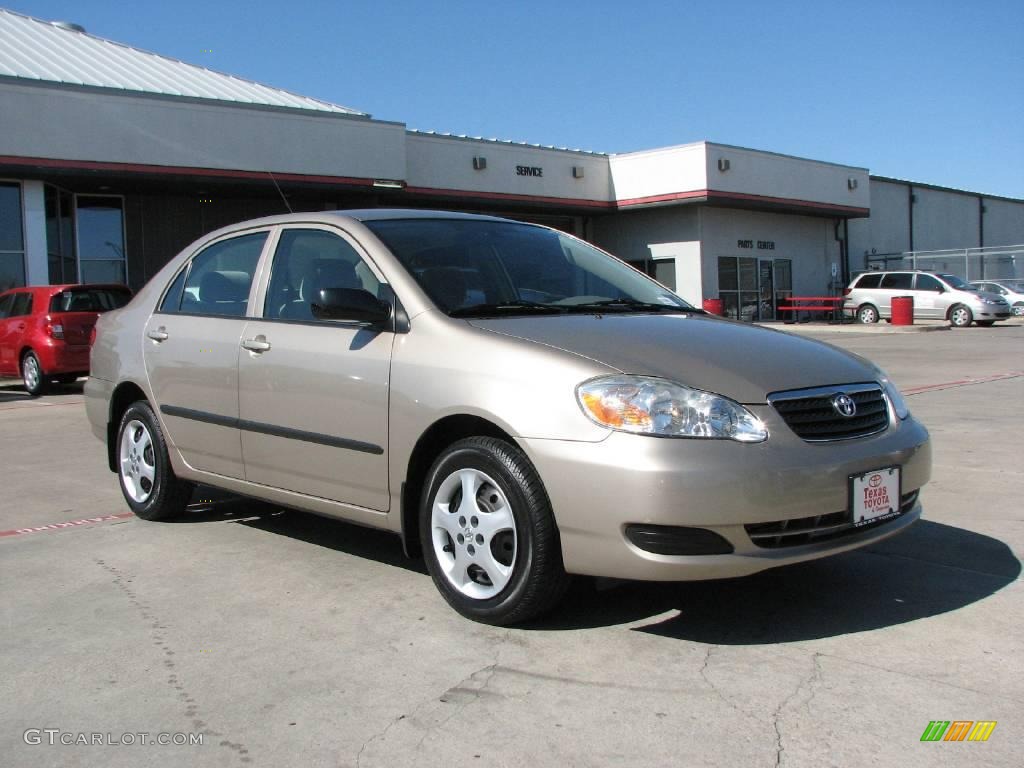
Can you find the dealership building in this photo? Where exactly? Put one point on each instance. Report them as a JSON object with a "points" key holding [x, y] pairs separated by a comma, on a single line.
{"points": [[112, 159]]}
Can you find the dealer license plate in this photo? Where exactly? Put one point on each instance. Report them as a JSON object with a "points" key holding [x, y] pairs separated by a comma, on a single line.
{"points": [[875, 494]]}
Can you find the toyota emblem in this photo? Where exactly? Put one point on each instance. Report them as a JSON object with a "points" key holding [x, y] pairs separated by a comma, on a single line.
{"points": [[844, 405]]}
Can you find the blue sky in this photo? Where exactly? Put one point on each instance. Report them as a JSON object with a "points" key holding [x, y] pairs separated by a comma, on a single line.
{"points": [[928, 91]]}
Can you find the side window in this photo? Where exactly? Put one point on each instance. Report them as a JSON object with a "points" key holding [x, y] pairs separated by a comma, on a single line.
{"points": [[22, 304], [5, 305], [928, 283], [172, 299], [869, 281], [307, 260], [898, 281], [219, 279]]}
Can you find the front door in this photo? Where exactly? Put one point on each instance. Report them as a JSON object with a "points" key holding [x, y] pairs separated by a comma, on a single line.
{"points": [[191, 348], [313, 395]]}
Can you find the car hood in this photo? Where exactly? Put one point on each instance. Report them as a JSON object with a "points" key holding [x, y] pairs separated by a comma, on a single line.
{"points": [[740, 361]]}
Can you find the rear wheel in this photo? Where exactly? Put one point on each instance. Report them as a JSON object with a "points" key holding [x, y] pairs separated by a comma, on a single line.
{"points": [[489, 537], [32, 375], [148, 483], [960, 316], [867, 314]]}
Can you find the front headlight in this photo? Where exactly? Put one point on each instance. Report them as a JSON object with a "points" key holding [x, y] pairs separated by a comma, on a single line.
{"points": [[652, 406], [898, 403]]}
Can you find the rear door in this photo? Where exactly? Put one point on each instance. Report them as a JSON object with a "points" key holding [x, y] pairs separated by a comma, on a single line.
{"points": [[14, 330], [893, 284], [313, 394], [191, 349], [6, 354]]}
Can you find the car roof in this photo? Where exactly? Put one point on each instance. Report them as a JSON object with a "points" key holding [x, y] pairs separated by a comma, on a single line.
{"points": [[362, 215]]}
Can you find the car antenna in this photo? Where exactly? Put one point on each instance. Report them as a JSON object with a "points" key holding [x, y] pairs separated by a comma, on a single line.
{"points": [[285, 199]]}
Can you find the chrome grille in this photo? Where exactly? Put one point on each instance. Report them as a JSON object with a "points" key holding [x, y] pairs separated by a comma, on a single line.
{"points": [[812, 530], [812, 416]]}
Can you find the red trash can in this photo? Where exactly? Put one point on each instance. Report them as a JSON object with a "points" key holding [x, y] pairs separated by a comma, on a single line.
{"points": [[902, 310], [714, 306]]}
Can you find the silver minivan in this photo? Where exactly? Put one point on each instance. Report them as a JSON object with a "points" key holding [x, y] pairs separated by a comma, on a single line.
{"points": [[937, 296], [513, 402]]}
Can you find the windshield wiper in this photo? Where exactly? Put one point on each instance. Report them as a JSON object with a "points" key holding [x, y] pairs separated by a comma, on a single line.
{"points": [[506, 308], [630, 305]]}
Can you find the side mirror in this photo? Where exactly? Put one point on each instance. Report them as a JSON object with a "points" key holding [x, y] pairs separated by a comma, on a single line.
{"points": [[352, 304]]}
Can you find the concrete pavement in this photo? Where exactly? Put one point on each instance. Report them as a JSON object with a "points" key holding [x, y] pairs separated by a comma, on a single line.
{"points": [[286, 639]]}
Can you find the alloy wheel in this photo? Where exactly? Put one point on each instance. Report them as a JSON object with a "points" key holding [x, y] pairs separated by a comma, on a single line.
{"points": [[473, 533], [31, 373], [138, 461]]}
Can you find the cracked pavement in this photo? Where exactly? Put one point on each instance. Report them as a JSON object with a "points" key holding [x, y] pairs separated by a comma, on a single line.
{"points": [[292, 640]]}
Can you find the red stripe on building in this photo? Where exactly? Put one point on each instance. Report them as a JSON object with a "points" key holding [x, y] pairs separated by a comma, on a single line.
{"points": [[181, 170]]}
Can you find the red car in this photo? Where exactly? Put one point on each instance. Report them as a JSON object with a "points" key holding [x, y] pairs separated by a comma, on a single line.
{"points": [[45, 329]]}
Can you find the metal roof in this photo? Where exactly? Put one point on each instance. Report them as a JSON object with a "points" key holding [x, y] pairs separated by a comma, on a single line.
{"points": [[33, 49]]}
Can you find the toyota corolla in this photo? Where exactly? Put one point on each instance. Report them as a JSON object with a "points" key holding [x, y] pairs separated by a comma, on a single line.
{"points": [[513, 402]]}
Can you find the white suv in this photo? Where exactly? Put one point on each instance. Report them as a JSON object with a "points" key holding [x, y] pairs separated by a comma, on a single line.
{"points": [[937, 296]]}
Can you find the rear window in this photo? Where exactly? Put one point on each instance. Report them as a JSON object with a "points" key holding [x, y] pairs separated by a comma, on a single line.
{"points": [[89, 299], [869, 281]]}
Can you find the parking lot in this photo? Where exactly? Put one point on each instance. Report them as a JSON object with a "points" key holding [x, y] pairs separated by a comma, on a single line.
{"points": [[286, 639]]}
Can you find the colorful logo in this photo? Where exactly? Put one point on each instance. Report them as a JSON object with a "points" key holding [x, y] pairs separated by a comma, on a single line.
{"points": [[958, 730]]}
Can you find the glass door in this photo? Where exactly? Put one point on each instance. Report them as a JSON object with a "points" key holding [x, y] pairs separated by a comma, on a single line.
{"points": [[766, 288], [783, 281], [99, 220]]}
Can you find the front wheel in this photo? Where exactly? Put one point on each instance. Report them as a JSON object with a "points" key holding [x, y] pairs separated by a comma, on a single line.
{"points": [[960, 316], [1018, 309], [489, 536], [32, 375], [867, 314], [148, 483]]}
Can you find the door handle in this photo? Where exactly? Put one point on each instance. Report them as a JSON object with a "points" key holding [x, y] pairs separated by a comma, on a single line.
{"points": [[259, 344], [158, 335]]}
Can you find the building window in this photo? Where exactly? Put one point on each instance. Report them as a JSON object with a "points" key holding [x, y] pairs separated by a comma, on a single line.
{"points": [[60, 236], [101, 248], [12, 237]]}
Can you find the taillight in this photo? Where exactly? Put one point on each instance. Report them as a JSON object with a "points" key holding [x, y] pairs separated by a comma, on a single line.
{"points": [[92, 335], [846, 291], [55, 330]]}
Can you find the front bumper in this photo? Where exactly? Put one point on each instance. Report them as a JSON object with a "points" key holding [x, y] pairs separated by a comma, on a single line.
{"points": [[597, 489]]}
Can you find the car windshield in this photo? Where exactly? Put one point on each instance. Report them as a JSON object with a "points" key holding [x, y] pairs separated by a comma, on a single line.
{"points": [[957, 283], [491, 268], [89, 299]]}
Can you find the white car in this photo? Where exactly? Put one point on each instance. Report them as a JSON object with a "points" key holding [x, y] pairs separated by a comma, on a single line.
{"points": [[1011, 289]]}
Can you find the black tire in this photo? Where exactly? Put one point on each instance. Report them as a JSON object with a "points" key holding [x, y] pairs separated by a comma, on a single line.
{"points": [[985, 323], [867, 313], [536, 580], [166, 495], [960, 316], [66, 378], [33, 376]]}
